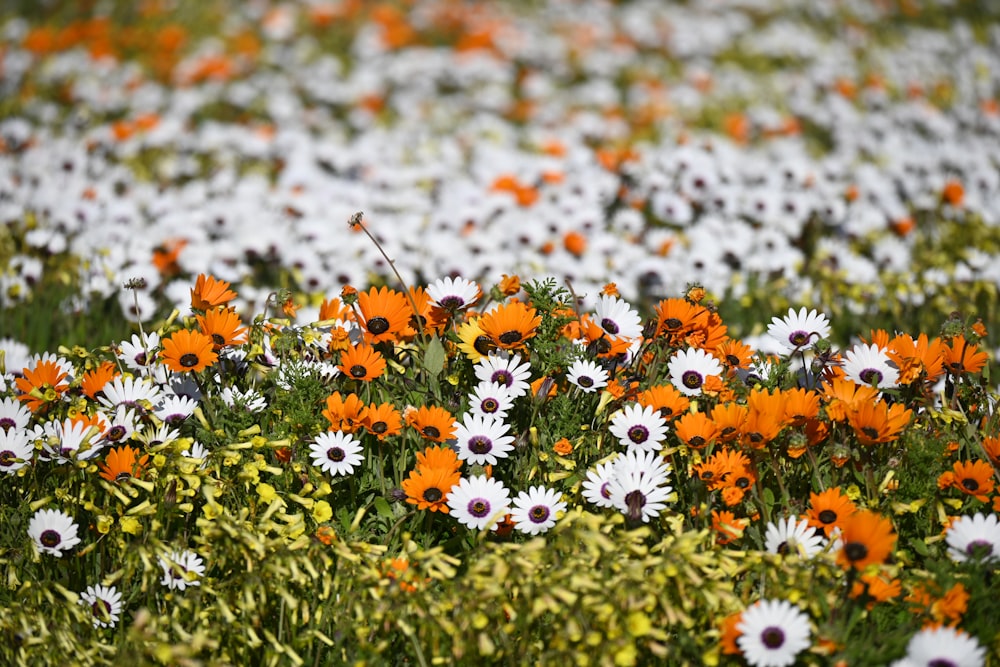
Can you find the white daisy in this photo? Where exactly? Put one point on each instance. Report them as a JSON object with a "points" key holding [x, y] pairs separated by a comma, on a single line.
{"points": [[637, 427], [152, 436], [535, 510], [587, 375], [453, 293], [793, 536], [638, 496], [105, 604], [643, 462], [181, 569], [13, 415], [16, 450], [53, 532], [870, 365], [617, 318], [689, 368], [490, 399], [506, 369], [250, 400], [69, 440], [139, 354], [336, 453], [130, 391], [798, 330], [478, 502], [773, 633], [596, 487], [943, 645], [975, 537], [482, 440], [173, 408], [121, 425]]}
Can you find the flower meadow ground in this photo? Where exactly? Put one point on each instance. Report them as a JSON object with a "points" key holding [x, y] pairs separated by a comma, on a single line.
{"points": [[444, 332]]}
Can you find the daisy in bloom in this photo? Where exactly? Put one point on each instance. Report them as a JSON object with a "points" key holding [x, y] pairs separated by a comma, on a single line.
{"points": [[942, 645], [175, 408], [490, 399], [336, 453], [428, 488], [53, 532], [345, 412], [251, 401], [869, 365], [474, 343], [596, 487], [93, 381], [793, 536], [975, 537], [638, 496], [384, 314], [689, 368], [122, 464], [617, 318], [587, 375], [479, 502], [433, 423], [383, 421], [482, 440], [637, 427], [209, 292], [506, 369], [453, 294], [13, 415], [535, 510], [76, 438], [40, 385], [187, 351], [865, 538], [121, 425], [510, 325], [362, 362], [182, 569], [16, 450], [773, 633], [223, 326], [137, 353], [827, 510], [129, 391], [798, 330], [105, 604]]}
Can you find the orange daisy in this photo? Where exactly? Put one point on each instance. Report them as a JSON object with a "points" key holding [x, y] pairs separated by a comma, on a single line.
{"points": [[428, 488], [121, 464], [510, 324], [842, 393], [438, 457], [991, 446], [665, 399], [223, 325], [828, 509], [209, 292], [382, 420], [433, 423], [41, 384], [676, 317], [385, 314], [974, 478], [362, 362], [800, 405], [696, 430], [875, 423], [727, 527], [962, 357], [734, 353], [93, 381], [729, 418], [344, 413], [866, 539], [187, 351]]}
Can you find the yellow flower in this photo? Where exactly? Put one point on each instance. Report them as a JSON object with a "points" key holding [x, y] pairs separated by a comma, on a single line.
{"points": [[322, 511], [130, 525], [266, 492], [104, 523]]}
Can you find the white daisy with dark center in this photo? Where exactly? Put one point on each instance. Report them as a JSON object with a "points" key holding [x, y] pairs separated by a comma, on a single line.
{"points": [[336, 453], [479, 502], [617, 318], [690, 368], [453, 293], [482, 439], [942, 646], [535, 510], [799, 329], [105, 603], [793, 536], [773, 633], [16, 450], [181, 569], [588, 376], [975, 538], [490, 399], [53, 532], [870, 365], [638, 427], [506, 369]]}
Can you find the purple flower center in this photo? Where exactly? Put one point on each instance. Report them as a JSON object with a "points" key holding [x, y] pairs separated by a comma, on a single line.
{"points": [[638, 434], [50, 539], [502, 377], [798, 338], [692, 379], [870, 376], [772, 637], [539, 514], [479, 507], [336, 454], [585, 381], [610, 326], [480, 444]]}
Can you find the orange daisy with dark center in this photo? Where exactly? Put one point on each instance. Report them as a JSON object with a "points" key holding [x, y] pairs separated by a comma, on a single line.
{"points": [[510, 325], [385, 314]]}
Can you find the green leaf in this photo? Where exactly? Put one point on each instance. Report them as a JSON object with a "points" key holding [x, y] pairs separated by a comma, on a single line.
{"points": [[920, 547], [382, 507], [768, 497], [434, 357]]}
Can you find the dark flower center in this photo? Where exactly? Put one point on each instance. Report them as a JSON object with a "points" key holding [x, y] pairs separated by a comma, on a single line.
{"points": [[7, 458], [189, 360], [609, 326], [755, 437], [606, 491], [941, 662], [870, 376], [539, 514], [692, 379], [855, 551], [634, 502], [480, 444], [218, 340], [101, 609], [50, 538], [490, 405], [433, 494], [378, 325], [970, 484], [479, 508], [379, 428], [772, 637], [979, 549], [782, 549], [827, 516], [116, 432], [510, 337], [798, 338], [122, 476], [742, 482], [452, 302], [140, 359], [482, 344], [870, 431], [672, 323], [697, 441], [733, 360], [585, 382], [358, 371], [638, 434], [336, 454], [503, 377], [6, 423], [431, 431]]}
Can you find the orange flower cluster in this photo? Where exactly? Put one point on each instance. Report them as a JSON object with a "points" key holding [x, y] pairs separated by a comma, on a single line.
{"points": [[430, 482]]}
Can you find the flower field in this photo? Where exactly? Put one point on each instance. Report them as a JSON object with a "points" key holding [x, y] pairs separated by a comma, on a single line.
{"points": [[567, 332]]}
